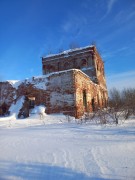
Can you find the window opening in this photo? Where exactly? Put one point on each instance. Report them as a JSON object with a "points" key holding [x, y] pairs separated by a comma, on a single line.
{"points": [[85, 99], [58, 66], [31, 102], [93, 104]]}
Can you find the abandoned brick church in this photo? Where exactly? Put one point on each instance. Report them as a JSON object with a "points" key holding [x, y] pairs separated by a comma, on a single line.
{"points": [[73, 82]]}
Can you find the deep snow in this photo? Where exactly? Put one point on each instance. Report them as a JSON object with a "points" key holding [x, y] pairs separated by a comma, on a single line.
{"points": [[51, 148]]}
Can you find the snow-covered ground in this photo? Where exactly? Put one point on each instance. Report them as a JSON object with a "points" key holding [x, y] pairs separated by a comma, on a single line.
{"points": [[53, 149]]}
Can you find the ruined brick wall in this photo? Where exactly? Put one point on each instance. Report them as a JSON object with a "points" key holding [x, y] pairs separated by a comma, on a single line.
{"points": [[82, 59], [7, 93], [65, 93], [7, 96], [34, 87], [30, 91], [69, 92], [87, 59], [55, 91], [99, 68], [76, 83], [60, 93], [96, 96]]}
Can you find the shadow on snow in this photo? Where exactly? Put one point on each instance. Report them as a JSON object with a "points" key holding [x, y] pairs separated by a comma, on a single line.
{"points": [[39, 171]]}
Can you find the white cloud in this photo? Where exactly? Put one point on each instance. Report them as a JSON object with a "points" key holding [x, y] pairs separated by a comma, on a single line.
{"points": [[121, 80], [110, 4], [125, 16], [74, 24], [116, 52]]}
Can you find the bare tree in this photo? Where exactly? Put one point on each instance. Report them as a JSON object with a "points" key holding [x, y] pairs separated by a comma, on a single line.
{"points": [[115, 104], [122, 103], [128, 97]]}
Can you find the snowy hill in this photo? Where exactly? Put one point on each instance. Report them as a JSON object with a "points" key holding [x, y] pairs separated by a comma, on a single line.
{"points": [[51, 148]]}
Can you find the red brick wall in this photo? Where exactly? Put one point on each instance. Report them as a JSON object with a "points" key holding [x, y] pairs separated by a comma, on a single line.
{"points": [[7, 93], [87, 60], [63, 93], [93, 91], [60, 93]]}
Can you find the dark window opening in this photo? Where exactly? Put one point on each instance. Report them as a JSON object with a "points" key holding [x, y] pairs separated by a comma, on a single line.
{"points": [[52, 69], [84, 62], [85, 99], [93, 104], [31, 102], [58, 66], [97, 67], [47, 69], [4, 109], [44, 69], [92, 62], [74, 63], [66, 66]]}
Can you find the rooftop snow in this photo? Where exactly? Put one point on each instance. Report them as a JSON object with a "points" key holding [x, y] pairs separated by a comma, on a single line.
{"points": [[14, 83], [66, 53], [40, 81]]}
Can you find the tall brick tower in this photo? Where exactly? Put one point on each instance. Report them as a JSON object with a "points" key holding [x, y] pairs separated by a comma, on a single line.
{"points": [[86, 59]]}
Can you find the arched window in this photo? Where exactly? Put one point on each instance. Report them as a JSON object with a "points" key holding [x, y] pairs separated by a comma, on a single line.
{"points": [[47, 69], [66, 66], [31, 102], [93, 104], [52, 69], [74, 63], [85, 99], [59, 66], [93, 60], [84, 63]]}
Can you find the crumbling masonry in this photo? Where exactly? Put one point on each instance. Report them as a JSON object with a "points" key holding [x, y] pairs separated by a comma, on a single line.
{"points": [[73, 82]]}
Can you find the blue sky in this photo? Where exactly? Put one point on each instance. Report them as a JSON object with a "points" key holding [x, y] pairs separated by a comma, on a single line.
{"points": [[30, 29]]}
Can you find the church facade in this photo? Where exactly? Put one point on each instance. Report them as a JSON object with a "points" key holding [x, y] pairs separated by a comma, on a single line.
{"points": [[73, 82], [86, 84]]}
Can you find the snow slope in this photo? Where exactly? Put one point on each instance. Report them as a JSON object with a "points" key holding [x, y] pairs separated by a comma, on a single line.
{"points": [[52, 149], [15, 108]]}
